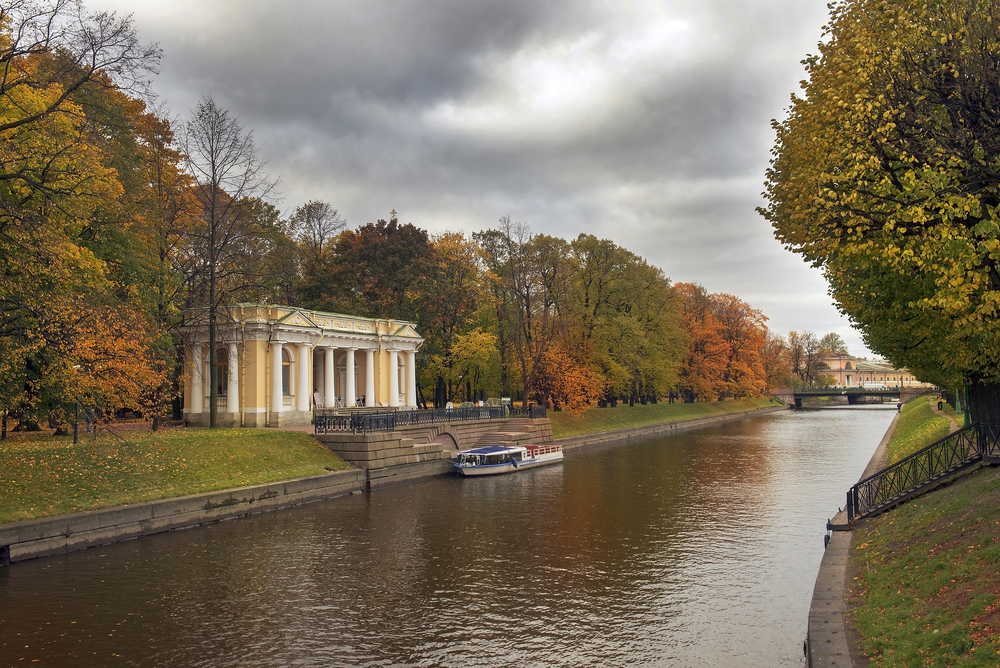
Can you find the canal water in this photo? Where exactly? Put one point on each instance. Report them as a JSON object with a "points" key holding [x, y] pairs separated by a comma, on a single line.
{"points": [[699, 549]]}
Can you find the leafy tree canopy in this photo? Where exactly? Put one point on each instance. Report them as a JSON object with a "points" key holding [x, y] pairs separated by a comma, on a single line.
{"points": [[886, 174]]}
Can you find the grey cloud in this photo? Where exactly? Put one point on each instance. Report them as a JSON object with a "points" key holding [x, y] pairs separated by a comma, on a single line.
{"points": [[350, 102]]}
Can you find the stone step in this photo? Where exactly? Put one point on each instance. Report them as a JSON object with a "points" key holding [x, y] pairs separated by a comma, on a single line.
{"points": [[503, 438]]}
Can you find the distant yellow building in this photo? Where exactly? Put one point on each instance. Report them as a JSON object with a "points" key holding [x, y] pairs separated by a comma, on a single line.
{"points": [[276, 363], [849, 371]]}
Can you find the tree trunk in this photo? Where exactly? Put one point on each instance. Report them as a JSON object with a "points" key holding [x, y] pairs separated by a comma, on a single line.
{"points": [[984, 401], [213, 368], [440, 398]]}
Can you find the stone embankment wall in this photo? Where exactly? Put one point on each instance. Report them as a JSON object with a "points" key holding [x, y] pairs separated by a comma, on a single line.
{"points": [[77, 531], [662, 429]]}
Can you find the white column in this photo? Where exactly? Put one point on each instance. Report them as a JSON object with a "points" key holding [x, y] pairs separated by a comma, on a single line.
{"points": [[233, 391], [350, 393], [197, 389], [411, 379], [329, 395], [276, 399], [393, 379], [369, 378], [304, 390]]}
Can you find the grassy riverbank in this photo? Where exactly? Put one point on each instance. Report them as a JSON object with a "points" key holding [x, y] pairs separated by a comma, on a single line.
{"points": [[924, 578], [926, 582], [45, 475], [918, 426], [597, 420]]}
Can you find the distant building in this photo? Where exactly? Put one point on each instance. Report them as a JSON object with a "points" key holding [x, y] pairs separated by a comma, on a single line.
{"points": [[849, 371], [277, 362]]}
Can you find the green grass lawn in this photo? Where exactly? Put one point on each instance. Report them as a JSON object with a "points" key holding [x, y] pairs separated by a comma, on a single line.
{"points": [[959, 417], [596, 420], [918, 426], [44, 475], [926, 578]]}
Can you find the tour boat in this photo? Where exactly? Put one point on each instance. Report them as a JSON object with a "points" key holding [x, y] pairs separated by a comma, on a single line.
{"points": [[495, 459]]}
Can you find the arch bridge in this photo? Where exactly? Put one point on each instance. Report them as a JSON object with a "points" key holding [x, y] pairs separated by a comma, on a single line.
{"points": [[855, 395]]}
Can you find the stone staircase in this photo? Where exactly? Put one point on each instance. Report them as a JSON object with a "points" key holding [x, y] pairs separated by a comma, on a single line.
{"points": [[505, 438], [539, 431]]}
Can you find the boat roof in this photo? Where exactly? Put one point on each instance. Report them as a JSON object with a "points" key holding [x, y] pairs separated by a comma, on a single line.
{"points": [[491, 450]]}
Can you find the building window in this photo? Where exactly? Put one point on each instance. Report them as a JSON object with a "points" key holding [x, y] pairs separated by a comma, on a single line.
{"points": [[286, 373], [222, 364], [848, 366]]}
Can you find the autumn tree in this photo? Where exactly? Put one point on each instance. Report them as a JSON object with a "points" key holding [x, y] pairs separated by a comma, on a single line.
{"points": [[230, 179], [453, 295], [565, 379], [886, 175], [832, 344], [804, 353], [166, 212], [744, 330], [625, 312], [472, 364], [315, 224], [774, 359], [376, 270], [54, 175], [703, 368], [529, 280]]}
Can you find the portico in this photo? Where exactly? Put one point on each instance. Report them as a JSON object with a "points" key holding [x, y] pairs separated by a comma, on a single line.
{"points": [[277, 363]]}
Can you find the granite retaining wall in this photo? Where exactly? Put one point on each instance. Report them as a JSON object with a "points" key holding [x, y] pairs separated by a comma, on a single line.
{"points": [[663, 428], [44, 537]]}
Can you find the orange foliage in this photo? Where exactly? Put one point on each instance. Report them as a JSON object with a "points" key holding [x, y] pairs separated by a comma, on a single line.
{"points": [[111, 361], [703, 369], [744, 331], [727, 340], [565, 381]]}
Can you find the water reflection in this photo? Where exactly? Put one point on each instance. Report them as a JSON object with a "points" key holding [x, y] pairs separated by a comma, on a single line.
{"points": [[695, 550]]}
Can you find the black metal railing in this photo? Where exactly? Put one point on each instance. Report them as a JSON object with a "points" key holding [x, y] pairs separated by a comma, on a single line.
{"points": [[365, 422], [907, 477], [330, 423]]}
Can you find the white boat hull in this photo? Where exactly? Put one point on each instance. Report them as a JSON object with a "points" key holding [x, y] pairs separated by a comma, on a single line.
{"points": [[475, 470]]}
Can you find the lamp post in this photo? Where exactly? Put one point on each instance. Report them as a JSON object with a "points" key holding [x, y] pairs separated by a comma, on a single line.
{"points": [[966, 413], [76, 421]]}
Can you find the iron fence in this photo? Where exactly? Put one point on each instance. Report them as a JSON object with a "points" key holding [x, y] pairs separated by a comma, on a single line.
{"points": [[902, 480], [328, 424], [363, 422]]}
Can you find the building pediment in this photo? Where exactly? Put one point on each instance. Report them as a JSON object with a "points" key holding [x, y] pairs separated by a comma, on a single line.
{"points": [[297, 319], [406, 331]]}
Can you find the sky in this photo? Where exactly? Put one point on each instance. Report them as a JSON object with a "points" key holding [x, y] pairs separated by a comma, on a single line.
{"points": [[644, 122]]}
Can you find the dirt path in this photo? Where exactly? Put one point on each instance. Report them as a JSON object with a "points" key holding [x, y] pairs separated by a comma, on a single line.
{"points": [[954, 425]]}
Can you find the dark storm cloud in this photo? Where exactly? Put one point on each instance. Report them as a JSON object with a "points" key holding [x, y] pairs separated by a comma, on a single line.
{"points": [[643, 122], [319, 60]]}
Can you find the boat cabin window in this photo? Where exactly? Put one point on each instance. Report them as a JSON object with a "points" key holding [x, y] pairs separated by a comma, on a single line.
{"points": [[469, 459]]}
